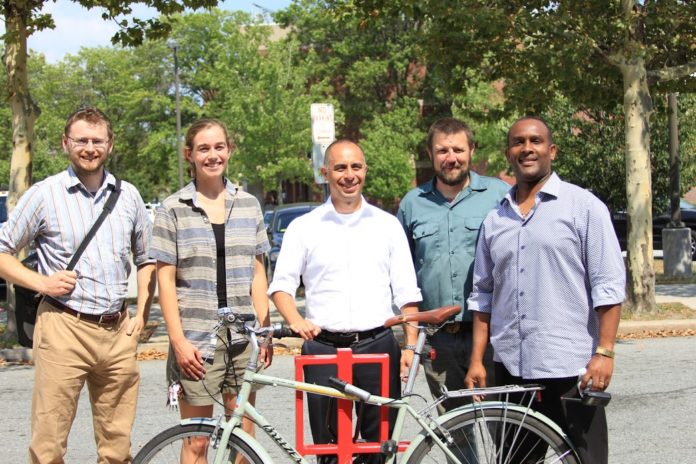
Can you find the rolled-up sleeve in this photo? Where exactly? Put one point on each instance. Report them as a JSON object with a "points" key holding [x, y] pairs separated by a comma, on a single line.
{"points": [[401, 271], [163, 246], [24, 222], [481, 297], [605, 266], [290, 264]]}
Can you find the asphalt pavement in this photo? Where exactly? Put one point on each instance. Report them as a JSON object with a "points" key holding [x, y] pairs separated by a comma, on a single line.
{"points": [[651, 415]]}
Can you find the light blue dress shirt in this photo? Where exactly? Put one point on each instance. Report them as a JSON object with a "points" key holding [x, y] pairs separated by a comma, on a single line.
{"points": [[541, 278]]}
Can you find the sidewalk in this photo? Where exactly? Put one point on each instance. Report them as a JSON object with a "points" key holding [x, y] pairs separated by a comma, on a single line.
{"points": [[685, 294]]}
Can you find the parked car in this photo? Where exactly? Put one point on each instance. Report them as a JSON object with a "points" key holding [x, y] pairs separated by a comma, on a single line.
{"points": [[283, 215], [267, 218], [660, 221]]}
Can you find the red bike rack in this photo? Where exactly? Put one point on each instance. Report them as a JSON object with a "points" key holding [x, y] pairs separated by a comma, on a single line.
{"points": [[345, 448]]}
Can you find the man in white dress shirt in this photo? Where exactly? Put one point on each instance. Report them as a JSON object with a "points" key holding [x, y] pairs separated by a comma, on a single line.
{"points": [[354, 260]]}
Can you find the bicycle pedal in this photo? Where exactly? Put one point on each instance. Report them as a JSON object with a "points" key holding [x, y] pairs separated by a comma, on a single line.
{"points": [[389, 448]]}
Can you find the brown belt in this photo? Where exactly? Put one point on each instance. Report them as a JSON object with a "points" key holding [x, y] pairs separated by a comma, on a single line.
{"points": [[98, 318], [456, 327]]}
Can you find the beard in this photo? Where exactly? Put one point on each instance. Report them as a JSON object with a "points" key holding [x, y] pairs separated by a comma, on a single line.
{"points": [[453, 179]]}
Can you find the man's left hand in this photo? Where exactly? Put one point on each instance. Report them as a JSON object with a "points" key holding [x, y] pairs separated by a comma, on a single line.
{"points": [[599, 370], [406, 362], [135, 325], [266, 354]]}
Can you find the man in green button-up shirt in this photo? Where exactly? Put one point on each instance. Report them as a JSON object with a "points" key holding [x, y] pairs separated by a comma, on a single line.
{"points": [[442, 219]]}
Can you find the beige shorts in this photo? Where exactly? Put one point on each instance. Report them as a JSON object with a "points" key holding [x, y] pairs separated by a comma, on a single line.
{"points": [[224, 373]]}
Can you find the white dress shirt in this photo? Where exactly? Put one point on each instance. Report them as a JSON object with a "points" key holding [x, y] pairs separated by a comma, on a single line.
{"points": [[350, 264]]}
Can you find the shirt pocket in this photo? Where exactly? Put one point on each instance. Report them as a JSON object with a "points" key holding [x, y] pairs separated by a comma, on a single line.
{"points": [[470, 233], [426, 238]]}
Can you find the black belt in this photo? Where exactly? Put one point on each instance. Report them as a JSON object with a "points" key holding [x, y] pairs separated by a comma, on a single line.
{"points": [[345, 339], [98, 318], [456, 327]]}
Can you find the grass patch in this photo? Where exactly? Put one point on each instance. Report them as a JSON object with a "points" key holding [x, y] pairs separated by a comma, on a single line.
{"points": [[664, 311], [5, 340], [661, 278]]}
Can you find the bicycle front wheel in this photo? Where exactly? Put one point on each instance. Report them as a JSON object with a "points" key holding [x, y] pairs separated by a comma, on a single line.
{"points": [[496, 435], [198, 442]]}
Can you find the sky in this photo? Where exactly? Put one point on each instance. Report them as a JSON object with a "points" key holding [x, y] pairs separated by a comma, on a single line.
{"points": [[77, 27]]}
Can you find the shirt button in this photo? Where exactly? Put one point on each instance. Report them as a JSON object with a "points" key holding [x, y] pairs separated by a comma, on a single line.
{"points": [[454, 275], [521, 270], [522, 247], [521, 293], [451, 252]]}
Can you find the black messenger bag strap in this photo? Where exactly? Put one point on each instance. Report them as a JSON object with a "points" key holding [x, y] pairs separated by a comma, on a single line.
{"points": [[108, 207]]}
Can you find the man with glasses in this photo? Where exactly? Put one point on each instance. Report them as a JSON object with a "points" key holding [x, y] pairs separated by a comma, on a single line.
{"points": [[83, 329]]}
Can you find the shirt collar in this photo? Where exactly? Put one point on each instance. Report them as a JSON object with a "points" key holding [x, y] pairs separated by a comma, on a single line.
{"points": [[551, 188], [331, 209], [73, 182], [476, 184], [188, 193]]}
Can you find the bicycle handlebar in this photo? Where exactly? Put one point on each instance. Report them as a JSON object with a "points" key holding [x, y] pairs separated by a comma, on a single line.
{"points": [[350, 389]]}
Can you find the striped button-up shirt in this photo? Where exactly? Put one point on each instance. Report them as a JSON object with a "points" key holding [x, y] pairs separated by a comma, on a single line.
{"points": [[182, 236], [541, 277], [57, 213]]}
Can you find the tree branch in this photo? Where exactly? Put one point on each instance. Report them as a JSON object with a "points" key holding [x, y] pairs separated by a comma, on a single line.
{"points": [[673, 72]]}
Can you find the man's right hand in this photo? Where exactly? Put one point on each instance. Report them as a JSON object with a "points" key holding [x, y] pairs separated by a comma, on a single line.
{"points": [[305, 328], [59, 283], [189, 359], [475, 376]]}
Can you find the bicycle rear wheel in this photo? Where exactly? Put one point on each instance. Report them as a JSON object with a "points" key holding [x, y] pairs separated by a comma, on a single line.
{"points": [[167, 446], [497, 435]]}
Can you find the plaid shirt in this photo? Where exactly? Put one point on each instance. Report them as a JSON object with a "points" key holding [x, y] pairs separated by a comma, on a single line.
{"points": [[182, 236], [57, 213]]}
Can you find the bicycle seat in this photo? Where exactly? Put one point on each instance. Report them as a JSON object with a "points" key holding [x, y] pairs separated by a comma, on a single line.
{"points": [[432, 317]]}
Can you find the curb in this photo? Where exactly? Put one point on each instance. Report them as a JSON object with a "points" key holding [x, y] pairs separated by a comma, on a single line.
{"points": [[628, 327]]}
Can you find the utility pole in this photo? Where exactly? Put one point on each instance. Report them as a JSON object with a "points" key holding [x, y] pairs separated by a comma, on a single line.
{"points": [[179, 155]]}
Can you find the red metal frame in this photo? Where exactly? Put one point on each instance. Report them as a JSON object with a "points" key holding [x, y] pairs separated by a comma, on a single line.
{"points": [[344, 359]]}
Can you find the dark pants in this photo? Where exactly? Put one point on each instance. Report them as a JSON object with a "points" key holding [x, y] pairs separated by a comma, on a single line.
{"points": [[365, 376], [586, 426], [452, 352]]}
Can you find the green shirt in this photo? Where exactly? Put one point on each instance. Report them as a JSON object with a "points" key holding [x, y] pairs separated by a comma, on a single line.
{"points": [[443, 235]]}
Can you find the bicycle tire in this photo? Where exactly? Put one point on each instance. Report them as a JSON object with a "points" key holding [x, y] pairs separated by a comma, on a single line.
{"points": [[166, 446], [477, 439]]}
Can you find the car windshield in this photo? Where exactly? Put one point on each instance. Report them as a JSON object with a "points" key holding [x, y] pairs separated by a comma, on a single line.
{"points": [[285, 218]]}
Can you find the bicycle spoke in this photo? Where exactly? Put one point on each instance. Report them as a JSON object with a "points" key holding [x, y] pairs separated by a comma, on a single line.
{"points": [[497, 436]]}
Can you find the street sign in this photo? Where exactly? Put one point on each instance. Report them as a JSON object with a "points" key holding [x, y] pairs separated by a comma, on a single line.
{"points": [[323, 133]]}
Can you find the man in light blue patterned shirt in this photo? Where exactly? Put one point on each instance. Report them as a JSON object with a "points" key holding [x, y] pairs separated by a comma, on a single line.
{"points": [[548, 286], [83, 330]]}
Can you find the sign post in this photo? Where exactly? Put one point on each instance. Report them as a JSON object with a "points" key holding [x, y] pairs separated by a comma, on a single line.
{"points": [[323, 133]]}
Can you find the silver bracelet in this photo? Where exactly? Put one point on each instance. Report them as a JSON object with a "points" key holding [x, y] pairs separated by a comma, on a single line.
{"points": [[410, 347]]}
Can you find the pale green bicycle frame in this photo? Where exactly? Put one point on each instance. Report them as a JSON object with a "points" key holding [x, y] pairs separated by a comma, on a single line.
{"points": [[430, 427]]}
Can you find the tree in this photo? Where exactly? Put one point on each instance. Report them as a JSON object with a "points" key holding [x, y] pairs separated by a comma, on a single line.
{"points": [[584, 50], [391, 143], [24, 17]]}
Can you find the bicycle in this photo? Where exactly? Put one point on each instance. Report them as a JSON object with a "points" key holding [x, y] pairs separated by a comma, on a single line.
{"points": [[480, 432]]}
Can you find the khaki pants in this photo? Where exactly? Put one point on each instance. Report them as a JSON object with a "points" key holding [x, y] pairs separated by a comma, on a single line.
{"points": [[67, 352]]}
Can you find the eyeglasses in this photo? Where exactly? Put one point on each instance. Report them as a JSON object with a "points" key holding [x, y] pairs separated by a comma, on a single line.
{"points": [[81, 143]]}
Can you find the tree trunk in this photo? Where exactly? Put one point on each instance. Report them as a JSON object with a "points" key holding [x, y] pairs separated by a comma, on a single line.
{"points": [[640, 296], [24, 112]]}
